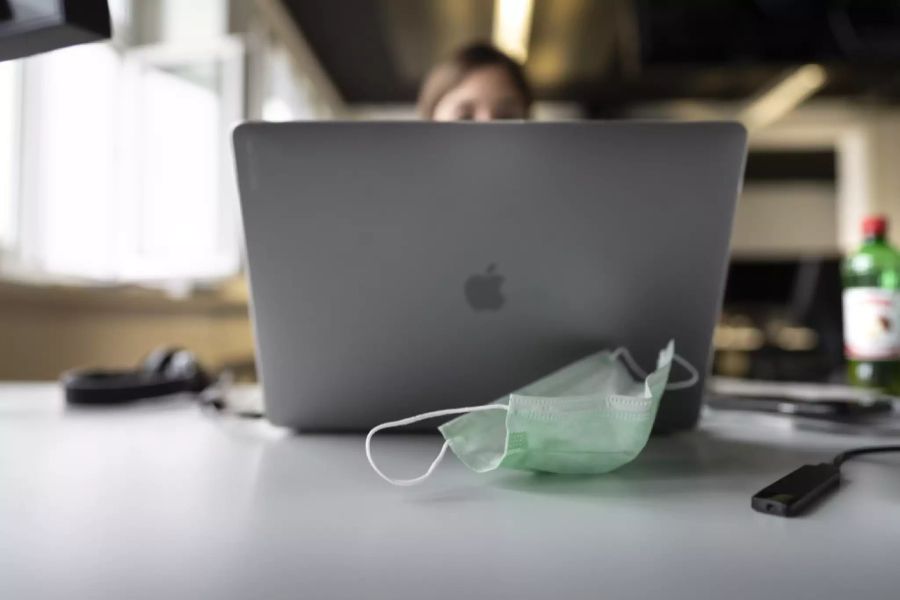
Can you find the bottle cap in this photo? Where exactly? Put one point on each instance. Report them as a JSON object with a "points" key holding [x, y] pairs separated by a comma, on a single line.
{"points": [[875, 225]]}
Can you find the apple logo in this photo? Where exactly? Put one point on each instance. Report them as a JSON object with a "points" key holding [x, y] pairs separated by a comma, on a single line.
{"points": [[483, 290]]}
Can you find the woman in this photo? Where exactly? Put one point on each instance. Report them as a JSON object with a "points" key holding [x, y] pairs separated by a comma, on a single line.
{"points": [[477, 83]]}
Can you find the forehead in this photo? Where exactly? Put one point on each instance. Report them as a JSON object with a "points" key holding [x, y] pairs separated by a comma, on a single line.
{"points": [[492, 80]]}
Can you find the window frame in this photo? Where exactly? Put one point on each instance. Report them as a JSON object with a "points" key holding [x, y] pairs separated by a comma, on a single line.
{"points": [[230, 53]]}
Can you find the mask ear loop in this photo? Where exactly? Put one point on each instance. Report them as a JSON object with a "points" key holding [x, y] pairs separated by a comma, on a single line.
{"points": [[416, 419], [626, 357]]}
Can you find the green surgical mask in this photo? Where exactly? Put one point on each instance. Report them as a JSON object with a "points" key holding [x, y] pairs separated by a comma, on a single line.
{"points": [[589, 417]]}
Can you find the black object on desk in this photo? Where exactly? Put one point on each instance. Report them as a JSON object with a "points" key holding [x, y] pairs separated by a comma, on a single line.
{"points": [[165, 371], [803, 292], [795, 492], [818, 400], [30, 27]]}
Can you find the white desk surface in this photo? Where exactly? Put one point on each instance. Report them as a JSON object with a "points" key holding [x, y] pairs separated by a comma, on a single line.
{"points": [[161, 501]]}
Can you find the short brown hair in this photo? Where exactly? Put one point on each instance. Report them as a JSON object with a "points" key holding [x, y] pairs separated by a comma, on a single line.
{"points": [[450, 73]]}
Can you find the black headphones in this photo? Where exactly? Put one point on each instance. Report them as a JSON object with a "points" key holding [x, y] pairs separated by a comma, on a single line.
{"points": [[165, 371]]}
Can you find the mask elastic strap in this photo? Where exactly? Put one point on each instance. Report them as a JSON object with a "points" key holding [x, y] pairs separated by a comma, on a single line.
{"points": [[416, 419], [626, 357]]}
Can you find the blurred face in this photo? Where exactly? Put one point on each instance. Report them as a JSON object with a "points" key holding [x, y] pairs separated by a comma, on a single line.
{"points": [[486, 94]]}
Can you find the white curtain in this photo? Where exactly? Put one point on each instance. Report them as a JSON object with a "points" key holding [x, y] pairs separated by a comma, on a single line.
{"points": [[10, 95], [125, 164]]}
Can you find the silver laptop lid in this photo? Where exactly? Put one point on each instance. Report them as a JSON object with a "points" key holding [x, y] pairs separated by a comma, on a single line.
{"points": [[402, 267]]}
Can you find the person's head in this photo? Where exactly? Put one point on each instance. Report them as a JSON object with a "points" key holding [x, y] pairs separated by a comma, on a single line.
{"points": [[477, 83]]}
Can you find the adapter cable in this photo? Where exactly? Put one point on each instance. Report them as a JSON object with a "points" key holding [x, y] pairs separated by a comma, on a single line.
{"points": [[800, 489]]}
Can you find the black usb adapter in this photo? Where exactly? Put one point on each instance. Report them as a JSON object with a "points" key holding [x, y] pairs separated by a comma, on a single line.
{"points": [[796, 491]]}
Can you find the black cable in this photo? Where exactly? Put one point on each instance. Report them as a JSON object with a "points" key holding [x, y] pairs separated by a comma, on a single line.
{"points": [[843, 456]]}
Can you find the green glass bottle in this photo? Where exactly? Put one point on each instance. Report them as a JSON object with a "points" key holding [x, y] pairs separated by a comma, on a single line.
{"points": [[872, 310]]}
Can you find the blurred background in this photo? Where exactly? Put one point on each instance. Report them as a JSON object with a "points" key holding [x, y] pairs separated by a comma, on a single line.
{"points": [[119, 226]]}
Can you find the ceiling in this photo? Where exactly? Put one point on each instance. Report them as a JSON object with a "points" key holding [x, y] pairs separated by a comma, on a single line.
{"points": [[611, 54]]}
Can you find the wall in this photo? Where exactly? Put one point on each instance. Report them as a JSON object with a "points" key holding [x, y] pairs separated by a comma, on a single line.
{"points": [[45, 331], [869, 171], [159, 21], [867, 141], [284, 75], [785, 220]]}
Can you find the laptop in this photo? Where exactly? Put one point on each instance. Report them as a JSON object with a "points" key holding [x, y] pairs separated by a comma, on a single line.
{"points": [[402, 267]]}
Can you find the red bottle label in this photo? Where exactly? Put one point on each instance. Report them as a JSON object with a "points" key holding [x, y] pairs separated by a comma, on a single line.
{"points": [[871, 324]]}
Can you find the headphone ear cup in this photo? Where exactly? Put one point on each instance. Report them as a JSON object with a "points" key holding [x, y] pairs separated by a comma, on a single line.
{"points": [[157, 362], [183, 364]]}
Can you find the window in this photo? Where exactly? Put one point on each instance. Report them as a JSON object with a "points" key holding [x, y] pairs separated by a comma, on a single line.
{"points": [[126, 169], [9, 149], [66, 196], [181, 109]]}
